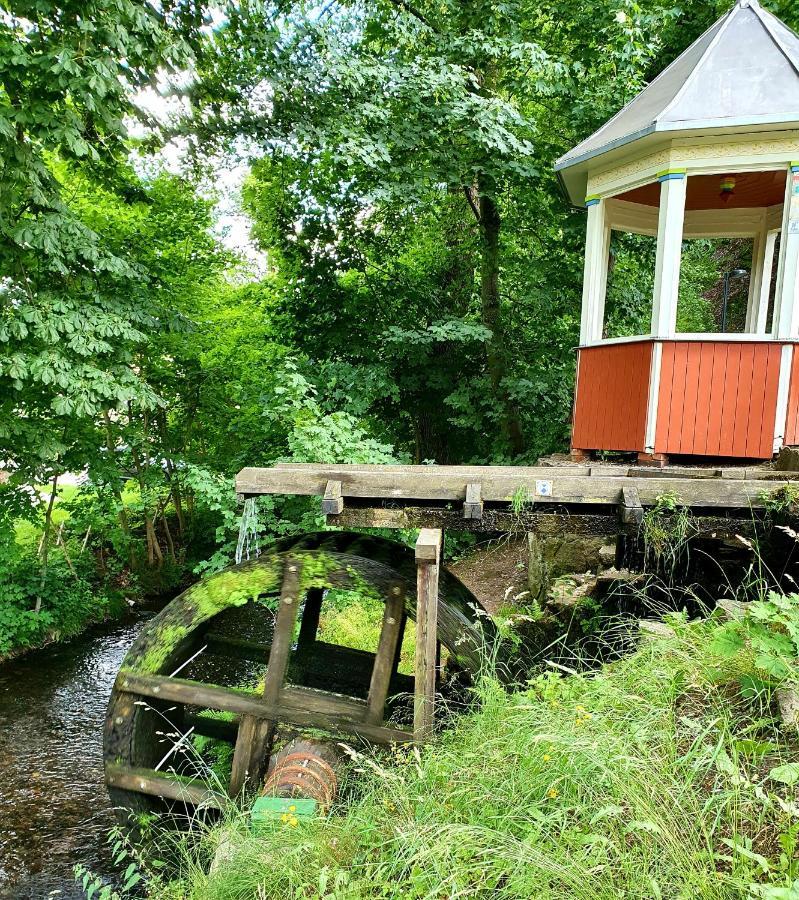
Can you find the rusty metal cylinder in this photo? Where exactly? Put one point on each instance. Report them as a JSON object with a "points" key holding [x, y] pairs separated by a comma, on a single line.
{"points": [[307, 769]]}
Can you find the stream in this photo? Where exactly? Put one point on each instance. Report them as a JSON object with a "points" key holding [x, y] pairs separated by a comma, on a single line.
{"points": [[54, 810]]}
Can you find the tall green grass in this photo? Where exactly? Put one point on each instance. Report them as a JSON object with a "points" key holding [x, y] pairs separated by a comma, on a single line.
{"points": [[646, 779]]}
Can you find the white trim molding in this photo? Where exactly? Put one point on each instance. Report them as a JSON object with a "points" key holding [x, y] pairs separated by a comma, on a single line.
{"points": [[652, 400], [783, 390]]}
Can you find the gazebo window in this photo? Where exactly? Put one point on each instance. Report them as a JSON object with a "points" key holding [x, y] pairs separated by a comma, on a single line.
{"points": [[726, 259]]}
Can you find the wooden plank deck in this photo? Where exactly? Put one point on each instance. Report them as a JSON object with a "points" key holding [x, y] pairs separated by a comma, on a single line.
{"points": [[522, 487]]}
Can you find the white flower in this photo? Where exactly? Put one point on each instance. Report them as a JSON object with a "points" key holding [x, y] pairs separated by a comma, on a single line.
{"points": [[621, 17]]}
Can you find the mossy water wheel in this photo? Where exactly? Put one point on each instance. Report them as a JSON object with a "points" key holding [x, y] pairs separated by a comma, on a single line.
{"points": [[199, 668]]}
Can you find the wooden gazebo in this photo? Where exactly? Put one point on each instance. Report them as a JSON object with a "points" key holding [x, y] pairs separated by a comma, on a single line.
{"points": [[710, 149]]}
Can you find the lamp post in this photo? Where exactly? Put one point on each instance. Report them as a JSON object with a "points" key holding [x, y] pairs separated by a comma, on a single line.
{"points": [[736, 274]]}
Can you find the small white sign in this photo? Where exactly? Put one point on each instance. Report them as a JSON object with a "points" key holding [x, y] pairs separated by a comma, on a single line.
{"points": [[543, 488]]}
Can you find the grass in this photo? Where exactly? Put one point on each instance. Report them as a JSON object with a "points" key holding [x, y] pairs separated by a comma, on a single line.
{"points": [[353, 619], [28, 534], [646, 779]]}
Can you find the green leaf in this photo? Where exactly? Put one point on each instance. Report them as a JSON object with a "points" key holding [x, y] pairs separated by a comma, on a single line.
{"points": [[785, 774], [727, 641]]}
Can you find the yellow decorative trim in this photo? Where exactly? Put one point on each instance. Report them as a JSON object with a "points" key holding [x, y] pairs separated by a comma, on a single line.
{"points": [[722, 155]]}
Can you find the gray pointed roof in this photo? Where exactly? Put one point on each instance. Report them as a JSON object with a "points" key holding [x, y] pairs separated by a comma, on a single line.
{"points": [[742, 71]]}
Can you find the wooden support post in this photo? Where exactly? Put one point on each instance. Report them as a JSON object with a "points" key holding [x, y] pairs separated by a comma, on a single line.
{"points": [[398, 652], [759, 319], [283, 633], [255, 733], [428, 556], [473, 507], [311, 612], [655, 460], [630, 508], [332, 502], [386, 654]]}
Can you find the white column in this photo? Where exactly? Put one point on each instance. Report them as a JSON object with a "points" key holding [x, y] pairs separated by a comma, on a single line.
{"points": [[595, 277], [755, 279], [760, 301], [669, 253], [783, 388], [786, 313], [653, 396]]}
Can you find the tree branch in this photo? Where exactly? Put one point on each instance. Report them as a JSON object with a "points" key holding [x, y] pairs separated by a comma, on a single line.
{"points": [[469, 193], [411, 10]]}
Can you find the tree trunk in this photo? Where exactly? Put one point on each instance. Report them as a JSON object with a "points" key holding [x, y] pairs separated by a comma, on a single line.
{"points": [[153, 547], [116, 492], [490, 225], [170, 473], [44, 553]]}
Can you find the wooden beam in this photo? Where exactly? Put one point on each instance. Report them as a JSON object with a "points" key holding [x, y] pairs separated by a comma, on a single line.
{"points": [[471, 474], [332, 502], [317, 664], [386, 653], [473, 506], [632, 513], [170, 787], [309, 625], [251, 754], [304, 707], [543, 523], [254, 739], [283, 634], [447, 483], [428, 557]]}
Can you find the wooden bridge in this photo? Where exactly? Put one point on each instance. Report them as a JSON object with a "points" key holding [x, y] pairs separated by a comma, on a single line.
{"points": [[591, 499]]}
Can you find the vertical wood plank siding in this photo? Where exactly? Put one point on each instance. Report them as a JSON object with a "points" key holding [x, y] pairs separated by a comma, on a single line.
{"points": [[718, 398], [792, 421], [612, 388]]}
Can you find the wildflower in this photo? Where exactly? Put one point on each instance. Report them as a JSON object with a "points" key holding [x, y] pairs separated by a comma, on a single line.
{"points": [[554, 704], [292, 808], [621, 17], [552, 793], [547, 757]]}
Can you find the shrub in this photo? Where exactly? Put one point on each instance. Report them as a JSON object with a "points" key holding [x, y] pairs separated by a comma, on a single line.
{"points": [[69, 594]]}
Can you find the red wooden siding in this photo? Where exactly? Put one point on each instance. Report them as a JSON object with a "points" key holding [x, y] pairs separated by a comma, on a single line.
{"points": [[792, 422], [718, 398], [612, 393]]}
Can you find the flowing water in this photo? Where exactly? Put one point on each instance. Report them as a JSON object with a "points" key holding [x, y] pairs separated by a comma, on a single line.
{"points": [[54, 810]]}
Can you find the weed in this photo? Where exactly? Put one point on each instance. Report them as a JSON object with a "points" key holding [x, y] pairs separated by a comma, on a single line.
{"points": [[667, 527]]}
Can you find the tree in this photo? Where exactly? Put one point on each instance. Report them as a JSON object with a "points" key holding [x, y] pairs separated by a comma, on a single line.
{"points": [[373, 107], [71, 309]]}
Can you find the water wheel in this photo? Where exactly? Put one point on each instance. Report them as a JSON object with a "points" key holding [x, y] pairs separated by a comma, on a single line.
{"points": [[194, 668]]}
